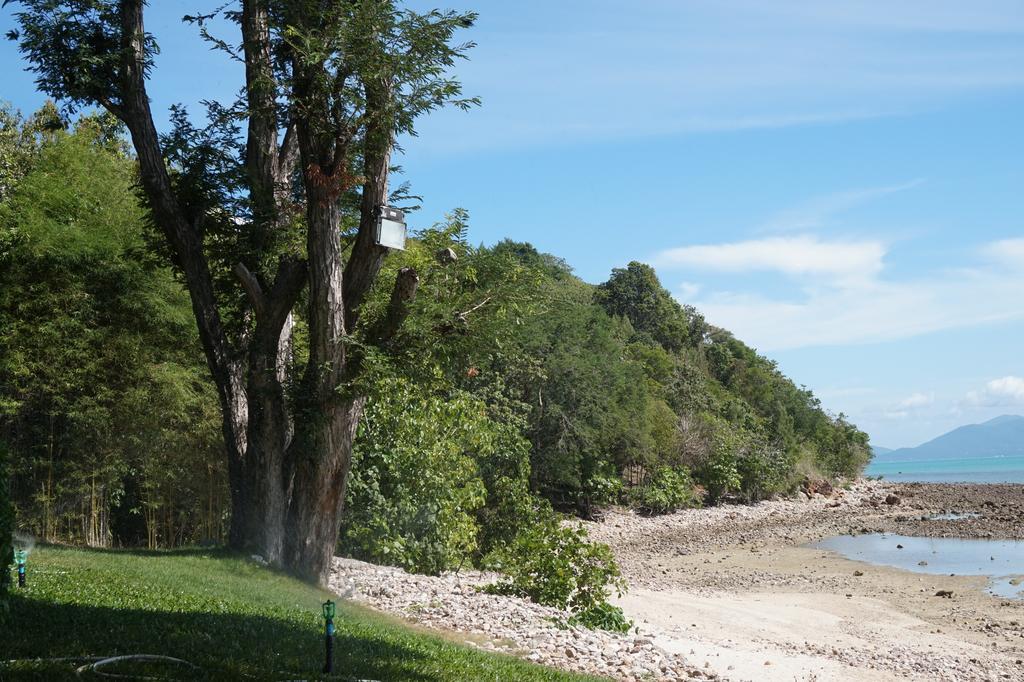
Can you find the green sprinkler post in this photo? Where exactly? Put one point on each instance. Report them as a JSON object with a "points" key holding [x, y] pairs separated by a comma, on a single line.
{"points": [[329, 637], [20, 557]]}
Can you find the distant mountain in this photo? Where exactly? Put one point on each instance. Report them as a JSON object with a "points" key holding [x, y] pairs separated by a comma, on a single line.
{"points": [[1000, 436], [1004, 419], [877, 450]]}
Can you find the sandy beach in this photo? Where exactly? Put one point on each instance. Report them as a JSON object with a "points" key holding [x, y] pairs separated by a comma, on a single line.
{"points": [[736, 590], [735, 593]]}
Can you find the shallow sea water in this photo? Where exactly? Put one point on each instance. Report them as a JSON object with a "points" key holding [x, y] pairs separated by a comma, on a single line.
{"points": [[1002, 561], [1007, 469]]}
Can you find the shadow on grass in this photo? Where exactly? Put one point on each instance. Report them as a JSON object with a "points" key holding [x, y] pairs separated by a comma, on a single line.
{"points": [[221, 645], [215, 551]]}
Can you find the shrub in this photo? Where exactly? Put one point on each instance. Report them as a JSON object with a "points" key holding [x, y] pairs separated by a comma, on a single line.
{"points": [[603, 616], [719, 472], [764, 471], [435, 482], [414, 487], [666, 491], [556, 565], [600, 487]]}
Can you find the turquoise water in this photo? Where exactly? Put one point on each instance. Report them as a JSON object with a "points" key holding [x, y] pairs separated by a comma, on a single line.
{"points": [[1001, 560], [1009, 469]]}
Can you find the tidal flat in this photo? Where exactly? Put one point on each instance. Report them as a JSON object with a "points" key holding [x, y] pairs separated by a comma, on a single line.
{"points": [[1001, 561], [743, 590]]}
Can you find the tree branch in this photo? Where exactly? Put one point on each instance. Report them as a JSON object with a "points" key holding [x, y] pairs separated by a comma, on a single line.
{"points": [[272, 309], [288, 156], [460, 320], [252, 289], [261, 154], [288, 284], [134, 110], [464, 314], [367, 257], [326, 320], [406, 284]]}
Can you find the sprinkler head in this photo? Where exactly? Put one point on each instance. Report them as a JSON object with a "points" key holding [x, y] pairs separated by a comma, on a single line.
{"points": [[328, 609], [20, 556]]}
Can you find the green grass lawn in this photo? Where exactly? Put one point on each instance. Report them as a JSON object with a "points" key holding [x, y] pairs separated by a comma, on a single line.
{"points": [[230, 618]]}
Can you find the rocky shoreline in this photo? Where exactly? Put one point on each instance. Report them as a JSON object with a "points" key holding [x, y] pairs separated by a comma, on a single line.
{"points": [[453, 603], [711, 591], [641, 543]]}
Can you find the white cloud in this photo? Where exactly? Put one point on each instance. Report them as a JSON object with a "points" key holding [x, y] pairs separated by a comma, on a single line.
{"points": [[688, 290], [1009, 252], [1010, 386], [868, 312], [919, 406], [803, 255], [1003, 392], [917, 400], [843, 296], [815, 212], [844, 299]]}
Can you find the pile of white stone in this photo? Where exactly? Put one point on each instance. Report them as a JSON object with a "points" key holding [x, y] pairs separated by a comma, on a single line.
{"points": [[453, 602]]}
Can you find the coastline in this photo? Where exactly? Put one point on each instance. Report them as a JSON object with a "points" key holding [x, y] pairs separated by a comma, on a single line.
{"points": [[738, 589], [732, 592]]}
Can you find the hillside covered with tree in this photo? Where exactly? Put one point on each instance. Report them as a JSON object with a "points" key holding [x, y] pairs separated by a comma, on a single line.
{"points": [[622, 394], [512, 387]]}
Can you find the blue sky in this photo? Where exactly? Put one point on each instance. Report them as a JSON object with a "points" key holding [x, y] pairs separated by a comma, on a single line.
{"points": [[839, 183]]}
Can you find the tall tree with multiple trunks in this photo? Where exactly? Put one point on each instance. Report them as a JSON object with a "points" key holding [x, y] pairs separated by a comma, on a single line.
{"points": [[277, 197]]}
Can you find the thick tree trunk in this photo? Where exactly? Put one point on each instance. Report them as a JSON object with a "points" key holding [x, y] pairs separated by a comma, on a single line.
{"points": [[235, 419], [260, 484], [322, 456], [287, 491], [261, 528], [292, 487]]}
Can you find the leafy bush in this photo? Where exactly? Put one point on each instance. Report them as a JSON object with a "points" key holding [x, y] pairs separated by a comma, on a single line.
{"points": [[601, 485], [414, 486], [435, 482], [556, 565], [603, 616], [764, 470], [509, 502], [667, 490], [719, 472]]}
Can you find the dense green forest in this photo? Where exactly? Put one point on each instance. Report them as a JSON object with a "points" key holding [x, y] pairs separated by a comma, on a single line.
{"points": [[513, 391]]}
